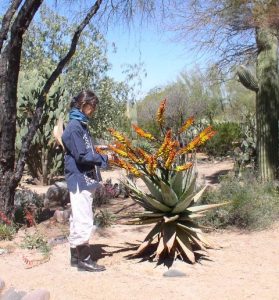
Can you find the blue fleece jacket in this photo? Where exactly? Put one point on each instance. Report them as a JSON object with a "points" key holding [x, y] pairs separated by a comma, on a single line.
{"points": [[82, 163]]}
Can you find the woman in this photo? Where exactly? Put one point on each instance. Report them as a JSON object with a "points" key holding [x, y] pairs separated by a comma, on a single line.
{"points": [[82, 174]]}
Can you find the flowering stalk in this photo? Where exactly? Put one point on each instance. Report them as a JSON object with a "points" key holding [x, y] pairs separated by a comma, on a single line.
{"points": [[161, 112], [143, 133], [186, 125]]}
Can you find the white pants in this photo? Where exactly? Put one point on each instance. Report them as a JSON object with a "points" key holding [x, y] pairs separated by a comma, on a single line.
{"points": [[81, 219]]}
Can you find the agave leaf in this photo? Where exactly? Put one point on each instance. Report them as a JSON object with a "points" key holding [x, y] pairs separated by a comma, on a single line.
{"points": [[188, 192], [143, 204], [147, 200], [206, 242], [169, 234], [197, 242], [185, 202], [190, 229], [149, 238], [196, 236], [206, 207], [189, 182], [156, 204], [193, 236], [199, 194], [148, 214], [182, 205], [185, 245], [153, 188], [178, 183], [143, 221], [168, 194], [171, 219], [189, 217], [160, 248]]}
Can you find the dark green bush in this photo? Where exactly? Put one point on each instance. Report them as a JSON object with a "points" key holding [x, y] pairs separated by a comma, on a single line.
{"points": [[254, 205], [222, 144]]}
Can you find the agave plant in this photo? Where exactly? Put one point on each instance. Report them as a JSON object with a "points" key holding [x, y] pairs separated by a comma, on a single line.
{"points": [[171, 199]]}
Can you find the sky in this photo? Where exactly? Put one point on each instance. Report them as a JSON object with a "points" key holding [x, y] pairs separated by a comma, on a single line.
{"points": [[162, 58]]}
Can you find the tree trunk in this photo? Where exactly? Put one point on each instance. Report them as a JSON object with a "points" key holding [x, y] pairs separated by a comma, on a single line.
{"points": [[9, 70], [267, 104]]}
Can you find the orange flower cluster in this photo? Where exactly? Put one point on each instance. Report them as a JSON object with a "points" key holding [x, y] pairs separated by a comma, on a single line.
{"points": [[120, 137], [125, 165], [186, 125], [152, 164], [170, 159], [138, 161], [161, 112], [205, 135], [143, 133]]}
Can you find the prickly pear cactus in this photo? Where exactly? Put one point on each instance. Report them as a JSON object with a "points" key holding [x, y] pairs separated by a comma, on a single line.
{"points": [[48, 159]]}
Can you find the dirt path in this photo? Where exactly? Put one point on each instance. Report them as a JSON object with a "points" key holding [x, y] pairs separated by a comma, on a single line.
{"points": [[246, 267]]}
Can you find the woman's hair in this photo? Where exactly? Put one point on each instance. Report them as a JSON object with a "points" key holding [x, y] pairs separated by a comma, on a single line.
{"points": [[84, 97]]}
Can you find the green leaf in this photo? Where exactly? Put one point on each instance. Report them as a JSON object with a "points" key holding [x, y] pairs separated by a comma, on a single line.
{"points": [[168, 194], [156, 204], [189, 190], [153, 188], [183, 204], [177, 183], [201, 208]]}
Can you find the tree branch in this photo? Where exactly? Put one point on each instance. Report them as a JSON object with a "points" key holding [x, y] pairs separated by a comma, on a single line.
{"points": [[6, 22], [35, 123]]}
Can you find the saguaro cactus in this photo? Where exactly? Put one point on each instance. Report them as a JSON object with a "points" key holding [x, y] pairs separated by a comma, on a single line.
{"points": [[266, 87]]}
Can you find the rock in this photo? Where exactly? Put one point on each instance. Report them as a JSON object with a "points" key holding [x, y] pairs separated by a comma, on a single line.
{"points": [[40, 294], [12, 294], [174, 273], [59, 216], [3, 251], [62, 216]]}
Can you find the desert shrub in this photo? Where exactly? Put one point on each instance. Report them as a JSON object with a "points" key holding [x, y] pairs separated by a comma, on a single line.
{"points": [[104, 218], [222, 143], [7, 232], [253, 205], [36, 241]]}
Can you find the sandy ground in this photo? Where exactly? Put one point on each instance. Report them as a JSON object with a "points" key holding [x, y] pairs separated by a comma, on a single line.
{"points": [[246, 267]]}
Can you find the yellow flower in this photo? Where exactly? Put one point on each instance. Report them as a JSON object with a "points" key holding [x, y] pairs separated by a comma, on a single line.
{"points": [[186, 125], [119, 136], [160, 112], [143, 133], [183, 168], [118, 151]]}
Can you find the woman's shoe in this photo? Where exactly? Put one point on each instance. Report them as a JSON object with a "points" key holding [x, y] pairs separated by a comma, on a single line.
{"points": [[85, 262]]}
